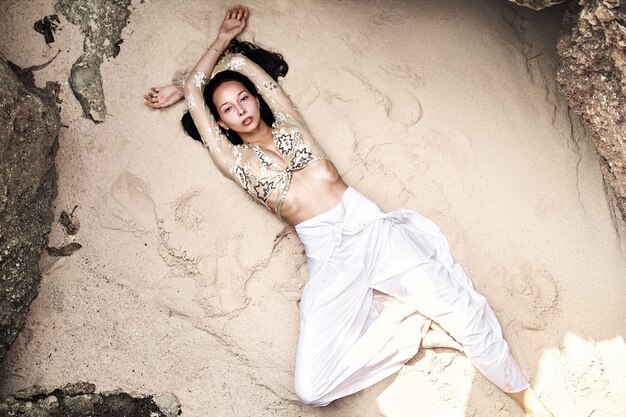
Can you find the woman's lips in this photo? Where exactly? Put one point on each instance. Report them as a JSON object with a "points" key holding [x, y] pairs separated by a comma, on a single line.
{"points": [[247, 121]]}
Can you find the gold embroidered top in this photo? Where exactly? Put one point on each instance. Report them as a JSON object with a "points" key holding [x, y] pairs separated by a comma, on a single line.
{"points": [[257, 173]]}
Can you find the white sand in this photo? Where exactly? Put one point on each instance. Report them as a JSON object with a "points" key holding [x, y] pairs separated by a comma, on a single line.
{"points": [[431, 105]]}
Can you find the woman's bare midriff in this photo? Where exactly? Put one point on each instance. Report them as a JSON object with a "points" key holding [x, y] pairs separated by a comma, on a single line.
{"points": [[314, 189]]}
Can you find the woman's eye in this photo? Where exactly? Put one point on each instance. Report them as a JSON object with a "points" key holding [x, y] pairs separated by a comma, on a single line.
{"points": [[244, 98], [227, 109]]}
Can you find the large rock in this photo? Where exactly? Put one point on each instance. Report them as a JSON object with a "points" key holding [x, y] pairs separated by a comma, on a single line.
{"points": [[101, 22], [29, 124], [592, 75]]}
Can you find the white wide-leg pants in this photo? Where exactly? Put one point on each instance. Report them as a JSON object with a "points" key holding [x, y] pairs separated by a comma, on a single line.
{"points": [[376, 280]]}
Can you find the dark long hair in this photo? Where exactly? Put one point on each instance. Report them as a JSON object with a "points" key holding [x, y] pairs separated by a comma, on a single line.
{"points": [[272, 63]]}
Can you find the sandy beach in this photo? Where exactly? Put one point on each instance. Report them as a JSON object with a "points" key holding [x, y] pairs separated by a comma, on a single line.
{"points": [[186, 285]]}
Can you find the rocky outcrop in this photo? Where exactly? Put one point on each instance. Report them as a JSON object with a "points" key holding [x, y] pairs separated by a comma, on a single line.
{"points": [[29, 125], [537, 4], [101, 22], [592, 76], [80, 399]]}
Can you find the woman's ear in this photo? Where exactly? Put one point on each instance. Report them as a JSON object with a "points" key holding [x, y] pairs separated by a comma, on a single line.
{"points": [[222, 124]]}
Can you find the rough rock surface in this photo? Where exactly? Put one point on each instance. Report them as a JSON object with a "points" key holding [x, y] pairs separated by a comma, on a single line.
{"points": [[537, 4], [592, 75], [80, 399], [29, 124], [101, 22]]}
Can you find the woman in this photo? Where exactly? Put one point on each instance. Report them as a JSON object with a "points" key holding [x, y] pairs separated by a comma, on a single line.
{"points": [[376, 280]]}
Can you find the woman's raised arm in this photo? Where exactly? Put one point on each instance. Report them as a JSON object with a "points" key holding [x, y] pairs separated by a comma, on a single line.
{"points": [[218, 145]]}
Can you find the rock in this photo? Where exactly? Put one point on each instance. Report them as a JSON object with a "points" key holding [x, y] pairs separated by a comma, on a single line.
{"points": [[36, 412], [78, 388], [80, 405], [31, 392], [168, 403], [80, 400], [86, 83], [537, 4], [49, 404], [592, 76], [29, 125], [101, 22]]}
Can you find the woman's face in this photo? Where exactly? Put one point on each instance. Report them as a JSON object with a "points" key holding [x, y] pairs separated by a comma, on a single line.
{"points": [[238, 109]]}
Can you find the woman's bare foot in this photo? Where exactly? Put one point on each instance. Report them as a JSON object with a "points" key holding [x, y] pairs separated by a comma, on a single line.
{"points": [[161, 97], [530, 403]]}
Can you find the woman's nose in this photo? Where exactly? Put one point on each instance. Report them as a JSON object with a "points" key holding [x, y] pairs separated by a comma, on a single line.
{"points": [[241, 111]]}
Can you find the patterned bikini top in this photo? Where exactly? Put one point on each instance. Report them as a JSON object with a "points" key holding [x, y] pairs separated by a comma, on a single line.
{"points": [[255, 171]]}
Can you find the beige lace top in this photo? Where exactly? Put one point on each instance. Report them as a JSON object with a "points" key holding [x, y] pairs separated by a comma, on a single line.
{"points": [[263, 178]]}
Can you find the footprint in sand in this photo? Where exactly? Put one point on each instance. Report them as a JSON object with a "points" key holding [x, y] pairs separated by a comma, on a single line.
{"points": [[130, 206], [196, 245], [398, 103], [182, 232], [188, 210], [532, 295]]}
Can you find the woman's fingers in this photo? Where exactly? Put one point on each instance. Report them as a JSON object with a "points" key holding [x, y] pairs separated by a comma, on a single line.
{"points": [[152, 98], [151, 105], [237, 12], [153, 95]]}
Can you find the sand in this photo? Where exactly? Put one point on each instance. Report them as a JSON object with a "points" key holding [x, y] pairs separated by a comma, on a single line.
{"points": [[446, 107]]}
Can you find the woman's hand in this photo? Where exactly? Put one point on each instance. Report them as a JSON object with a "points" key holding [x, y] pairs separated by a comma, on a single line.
{"points": [[234, 23], [161, 97]]}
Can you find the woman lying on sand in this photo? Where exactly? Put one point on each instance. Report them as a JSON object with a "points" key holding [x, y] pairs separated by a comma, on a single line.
{"points": [[376, 280]]}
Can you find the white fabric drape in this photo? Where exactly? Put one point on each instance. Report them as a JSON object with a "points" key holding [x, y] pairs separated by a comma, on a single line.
{"points": [[375, 281]]}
